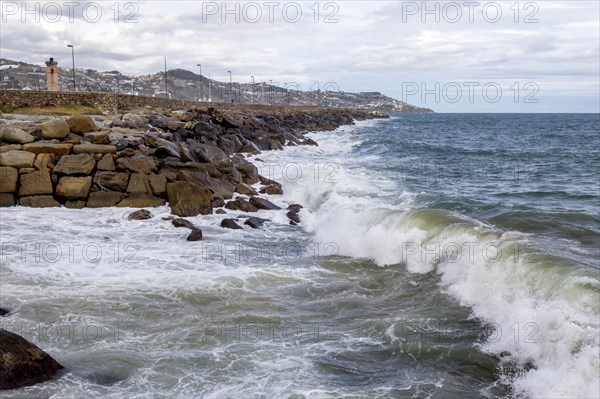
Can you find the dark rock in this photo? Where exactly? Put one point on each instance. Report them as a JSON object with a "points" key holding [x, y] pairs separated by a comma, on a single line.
{"points": [[180, 222], [293, 216], [218, 202], [262, 203], [208, 153], [7, 200], [4, 312], [113, 181], [189, 199], [195, 235], [22, 363], [220, 212], [230, 224], [240, 204], [138, 163], [39, 201], [245, 189], [295, 207], [80, 164], [142, 214], [273, 189], [308, 141], [255, 222], [139, 200]]}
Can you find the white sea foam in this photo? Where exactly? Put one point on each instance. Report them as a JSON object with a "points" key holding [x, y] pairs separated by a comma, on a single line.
{"points": [[544, 308]]}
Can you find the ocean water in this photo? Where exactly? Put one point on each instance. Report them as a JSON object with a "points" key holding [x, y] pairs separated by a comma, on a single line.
{"points": [[439, 256]]}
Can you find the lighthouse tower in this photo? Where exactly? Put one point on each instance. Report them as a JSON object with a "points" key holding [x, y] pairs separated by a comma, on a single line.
{"points": [[52, 74]]}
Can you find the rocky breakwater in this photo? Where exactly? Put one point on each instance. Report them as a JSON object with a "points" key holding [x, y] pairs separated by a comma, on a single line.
{"points": [[193, 159]]}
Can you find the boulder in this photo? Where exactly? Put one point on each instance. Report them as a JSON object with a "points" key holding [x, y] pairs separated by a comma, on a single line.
{"points": [[248, 171], [295, 207], [230, 172], [272, 189], [142, 214], [134, 121], [4, 312], [189, 199], [36, 183], [17, 159], [195, 235], [164, 148], [8, 179], [7, 200], [45, 147], [220, 188], [255, 222], [262, 203], [97, 138], [10, 147], [240, 204], [138, 163], [81, 124], [245, 189], [220, 212], [209, 153], [139, 200], [39, 201], [44, 161], [94, 149], [12, 134], [113, 181], [293, 216], [230, 224], [74, 187], [152, 184], [75, 204], [106, 163], [55, 129], [81, 164], [22, 363], [180, 222], [102, 199]]}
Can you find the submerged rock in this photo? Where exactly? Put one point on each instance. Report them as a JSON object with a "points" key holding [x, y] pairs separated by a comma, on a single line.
{"points": [[230, 224], [22, 363], [262, 203], [142, 214], [180, 222], [255, 222], [195, 235]]}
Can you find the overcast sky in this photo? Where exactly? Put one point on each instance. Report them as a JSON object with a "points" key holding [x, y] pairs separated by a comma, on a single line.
{"points": [[503, 56]]}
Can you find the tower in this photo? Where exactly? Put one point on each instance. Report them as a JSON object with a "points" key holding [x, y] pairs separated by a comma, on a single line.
{"points": [[52, 74]]}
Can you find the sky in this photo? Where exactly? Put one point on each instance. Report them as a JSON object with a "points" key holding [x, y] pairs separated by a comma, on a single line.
{"points": [[451, 56]]}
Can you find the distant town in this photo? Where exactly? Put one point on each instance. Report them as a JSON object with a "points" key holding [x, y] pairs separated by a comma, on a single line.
{"points": [[186, 85]]}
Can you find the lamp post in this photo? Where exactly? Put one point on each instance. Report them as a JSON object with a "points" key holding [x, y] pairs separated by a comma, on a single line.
{"points": [[166, 84], [73, 58], [252, 98], [230, 86], [200, 85], [271, 91]]}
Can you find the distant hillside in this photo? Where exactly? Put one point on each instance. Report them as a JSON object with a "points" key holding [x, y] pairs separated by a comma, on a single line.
{"points": [[186, 85]]}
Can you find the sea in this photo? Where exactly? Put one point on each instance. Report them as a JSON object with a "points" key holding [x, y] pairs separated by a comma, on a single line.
{"points": [[438, 256]]}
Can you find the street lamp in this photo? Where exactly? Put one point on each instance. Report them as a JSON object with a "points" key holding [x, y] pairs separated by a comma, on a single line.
{"points": [[252, 98], [271, 91], [230, 86], [73, 58], [200, 85]]}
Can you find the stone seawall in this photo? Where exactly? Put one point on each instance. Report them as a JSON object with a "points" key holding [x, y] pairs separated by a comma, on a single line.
{"points": [[194, 159]]}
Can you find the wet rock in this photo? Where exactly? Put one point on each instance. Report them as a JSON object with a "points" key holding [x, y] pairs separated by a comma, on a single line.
{"points": [[22, 363], [273, 189], [75, 204], [248, 171], [54, 129], [255, 222], [220, 212], [151, 184], [48, 148], [74, 187], [139, 200], [8, 179], [218, 202], [262, 203], [218, 187], [164, 148], [39, 201], [12, 134], [189, 199], [103, 199], [245, 189], [17, 159], [230, 224], [295, 207], [308, 141], [293, 216], [81, 124], [141, 214], [230, 172], [111, 181], [3, 312], [180, 222], [195, 235], [81, 164], [240, 204], [7, 200]]}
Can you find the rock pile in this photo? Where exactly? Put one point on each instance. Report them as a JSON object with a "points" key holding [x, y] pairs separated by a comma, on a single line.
{"points": [[193, 159]]}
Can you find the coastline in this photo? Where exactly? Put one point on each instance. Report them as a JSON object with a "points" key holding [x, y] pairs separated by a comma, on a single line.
{"points": [[194, 160]]}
